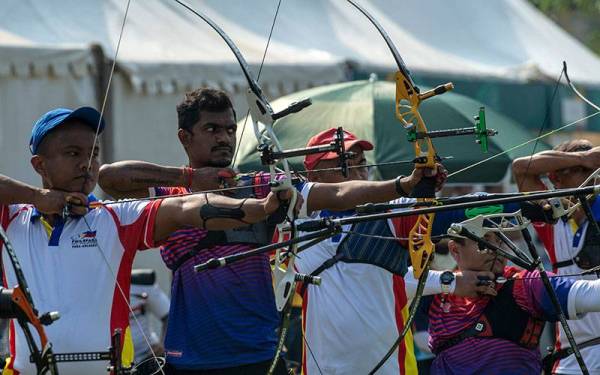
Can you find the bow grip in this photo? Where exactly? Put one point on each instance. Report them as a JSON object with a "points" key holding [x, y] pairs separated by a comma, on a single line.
{"points": [[425, 188], [9, 309], [292, 108], [314, 225]]}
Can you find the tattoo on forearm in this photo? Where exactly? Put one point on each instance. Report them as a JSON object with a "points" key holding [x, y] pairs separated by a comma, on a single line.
{"points": [[151, 181], [166, 178], [147, 168]]}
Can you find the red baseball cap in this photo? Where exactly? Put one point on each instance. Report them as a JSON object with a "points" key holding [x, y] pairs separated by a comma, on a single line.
{"points": [[326, 137]]}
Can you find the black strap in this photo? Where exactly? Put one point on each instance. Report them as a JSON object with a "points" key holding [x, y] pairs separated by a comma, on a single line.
{"points": [[328, 263], [474, 330], [563, 263], [212, 239], [549, 360]]}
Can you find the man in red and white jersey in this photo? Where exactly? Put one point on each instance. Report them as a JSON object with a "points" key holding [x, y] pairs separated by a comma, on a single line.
{"points": [[79, 263], [572, 243], [352, 319]]}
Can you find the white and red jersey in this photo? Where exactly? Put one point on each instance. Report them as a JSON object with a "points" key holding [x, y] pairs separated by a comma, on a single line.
{"points": [[563, 241], [72, 270], [352, 319]]}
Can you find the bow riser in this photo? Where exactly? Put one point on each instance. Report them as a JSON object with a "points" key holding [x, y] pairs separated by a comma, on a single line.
{"points": [[420, 245]]}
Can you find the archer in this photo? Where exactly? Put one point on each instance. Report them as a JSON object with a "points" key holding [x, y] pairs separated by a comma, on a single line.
{"points": [[571, 243]]}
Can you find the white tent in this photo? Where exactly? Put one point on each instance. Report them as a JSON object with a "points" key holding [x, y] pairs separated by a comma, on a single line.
{"points": [[54, 52], [507, 39], [165, 51]]}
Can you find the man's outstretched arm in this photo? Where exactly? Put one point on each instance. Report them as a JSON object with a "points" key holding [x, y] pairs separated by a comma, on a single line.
{"points": [[349, 194], [213, 212], [132, 179]]}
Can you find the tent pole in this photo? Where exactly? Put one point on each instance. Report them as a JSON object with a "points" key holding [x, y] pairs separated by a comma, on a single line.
{"points": [[102, 67]]}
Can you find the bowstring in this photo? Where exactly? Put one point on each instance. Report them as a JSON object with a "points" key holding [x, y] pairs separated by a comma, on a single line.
{"points": [[87, 176], [239, 144], [546, 120], [237, 149]]}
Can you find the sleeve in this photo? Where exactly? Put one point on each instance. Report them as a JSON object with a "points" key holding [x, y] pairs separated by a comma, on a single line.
{"points": [[432, 284], [305, 191], [531, 296], [545, 233], [402, 226], [583, 298], [157, 302], [135, 221], [166, 191]]}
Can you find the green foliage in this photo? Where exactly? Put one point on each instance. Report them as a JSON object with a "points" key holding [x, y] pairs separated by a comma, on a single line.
{"points": [[581, 18], [557, 6]]}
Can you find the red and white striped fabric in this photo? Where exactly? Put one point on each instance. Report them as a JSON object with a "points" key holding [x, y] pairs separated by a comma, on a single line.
{"points": [[67, 271], [352, 319]]}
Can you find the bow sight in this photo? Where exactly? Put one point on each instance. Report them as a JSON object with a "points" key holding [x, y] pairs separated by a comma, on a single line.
{"points": [[480, 131], [269, 157]]}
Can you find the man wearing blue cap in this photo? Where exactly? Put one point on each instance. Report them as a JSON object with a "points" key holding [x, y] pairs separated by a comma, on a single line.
{"points": [[77, 260]]}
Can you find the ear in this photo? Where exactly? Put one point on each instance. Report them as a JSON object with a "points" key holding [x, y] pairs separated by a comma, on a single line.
{"points": [[37, 162], [453, 249], [185, 137]]}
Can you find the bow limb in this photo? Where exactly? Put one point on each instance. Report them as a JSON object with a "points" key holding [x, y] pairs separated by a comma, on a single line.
{"points": [[21, 297], [263, 117], [580, 95], [408, 99]]}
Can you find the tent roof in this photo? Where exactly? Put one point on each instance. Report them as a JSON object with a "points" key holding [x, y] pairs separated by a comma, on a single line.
{"points": [[165, 47]]}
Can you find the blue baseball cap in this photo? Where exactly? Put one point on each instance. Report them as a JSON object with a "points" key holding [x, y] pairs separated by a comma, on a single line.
{"points": [[88, 115]]}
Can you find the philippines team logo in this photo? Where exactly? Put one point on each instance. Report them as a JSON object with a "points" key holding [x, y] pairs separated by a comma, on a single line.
{"points": [[85, 239]]}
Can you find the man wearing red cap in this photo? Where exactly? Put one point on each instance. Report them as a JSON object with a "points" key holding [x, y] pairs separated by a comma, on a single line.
{"points": [[225, 320], [352, 319], [351, 143]]}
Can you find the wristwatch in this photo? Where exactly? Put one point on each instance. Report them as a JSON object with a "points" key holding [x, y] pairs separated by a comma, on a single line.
{"points": [[398, 185], [446, 280]]}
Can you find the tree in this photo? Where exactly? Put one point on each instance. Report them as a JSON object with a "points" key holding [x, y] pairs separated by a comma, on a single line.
{"points": [[581, 18]]}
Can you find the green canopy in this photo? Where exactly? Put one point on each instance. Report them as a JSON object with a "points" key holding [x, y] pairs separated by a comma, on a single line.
{"points": [[366, 108]]}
